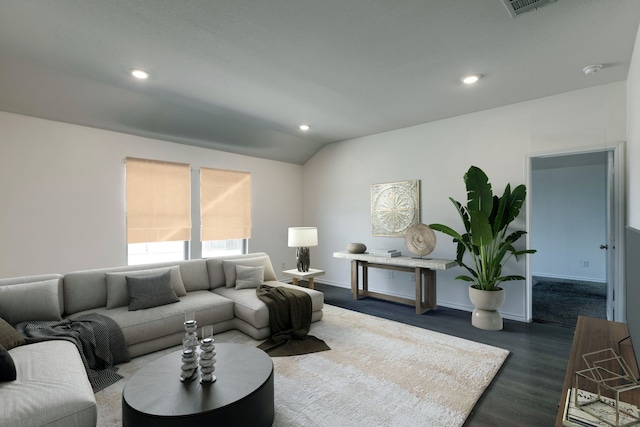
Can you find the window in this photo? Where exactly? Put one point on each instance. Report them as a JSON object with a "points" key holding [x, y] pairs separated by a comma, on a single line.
{"points": [[225, 211], [150, 252], [212, 248], [158, 210]]}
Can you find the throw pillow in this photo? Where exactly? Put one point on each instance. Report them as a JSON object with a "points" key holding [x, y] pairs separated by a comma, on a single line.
{"points": [[150, 291], [43, 301], [7, 367], [229, 267], [118, 291], [249, 277], [9, 337]]}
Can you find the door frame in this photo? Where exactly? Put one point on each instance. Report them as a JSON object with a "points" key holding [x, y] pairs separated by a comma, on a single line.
{"points": [[618, 287]]}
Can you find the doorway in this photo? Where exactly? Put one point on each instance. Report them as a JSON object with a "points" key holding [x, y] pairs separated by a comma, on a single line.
{"points": [[574, 225]]}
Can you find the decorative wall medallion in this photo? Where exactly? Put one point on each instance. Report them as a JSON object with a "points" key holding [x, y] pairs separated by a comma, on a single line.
{"points": [[395, 206]]}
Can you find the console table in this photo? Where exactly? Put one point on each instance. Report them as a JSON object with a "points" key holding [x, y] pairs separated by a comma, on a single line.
{"points": [[423, 268]]}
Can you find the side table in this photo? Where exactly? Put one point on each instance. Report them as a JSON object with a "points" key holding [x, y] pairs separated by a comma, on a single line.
{"points": [[303, 275]]}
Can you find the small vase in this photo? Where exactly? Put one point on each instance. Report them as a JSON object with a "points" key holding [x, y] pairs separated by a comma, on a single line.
{"points": [[486, 315], [189, 367], [207, 358]]}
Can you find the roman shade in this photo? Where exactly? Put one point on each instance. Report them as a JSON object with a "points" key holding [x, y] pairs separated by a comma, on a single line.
{"points": [[225, 204], [158, 201]]}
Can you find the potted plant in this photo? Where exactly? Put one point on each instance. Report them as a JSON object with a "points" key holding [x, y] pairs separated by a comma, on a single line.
{"points": [[486, 218]]}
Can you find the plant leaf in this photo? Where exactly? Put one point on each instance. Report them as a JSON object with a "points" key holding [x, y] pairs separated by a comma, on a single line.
{"points": [[446, 230], [481, 232], [479, 193]]}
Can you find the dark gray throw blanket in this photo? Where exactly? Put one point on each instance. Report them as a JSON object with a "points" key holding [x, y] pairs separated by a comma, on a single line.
{"points": [[98, 338], [290, 319]]}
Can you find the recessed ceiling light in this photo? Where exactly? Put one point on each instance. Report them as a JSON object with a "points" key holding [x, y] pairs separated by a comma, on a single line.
{"points": [[471, 79], [139, 73], [591, 69], [304, 128]]}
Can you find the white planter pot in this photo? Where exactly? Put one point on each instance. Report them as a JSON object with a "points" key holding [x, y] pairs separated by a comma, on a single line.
{"points": [[485, 315]]}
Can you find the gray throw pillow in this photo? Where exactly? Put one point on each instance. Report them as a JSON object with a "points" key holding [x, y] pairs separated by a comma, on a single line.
{"points": [[9, 337], [249, 277], [229, 268], [150, 291], [30, 301], [7, 367], [118, 291]]}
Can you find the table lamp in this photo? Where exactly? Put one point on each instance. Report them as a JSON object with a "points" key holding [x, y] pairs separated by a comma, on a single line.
{"points": [[301, 238]]}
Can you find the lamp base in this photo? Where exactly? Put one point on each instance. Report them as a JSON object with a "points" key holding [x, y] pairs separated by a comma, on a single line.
{"points": [[302, 257]]}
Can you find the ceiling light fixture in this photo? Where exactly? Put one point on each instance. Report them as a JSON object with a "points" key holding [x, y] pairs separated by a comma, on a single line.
{"points": [[471, 79], [592, 69], [304, 128], [139, 73]]}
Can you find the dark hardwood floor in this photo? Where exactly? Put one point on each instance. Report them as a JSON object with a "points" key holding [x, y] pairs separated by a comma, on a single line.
{"points": [[525, 392]]}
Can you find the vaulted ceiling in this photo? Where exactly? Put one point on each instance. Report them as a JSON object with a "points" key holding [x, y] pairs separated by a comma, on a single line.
{"points": [[242, 75]]}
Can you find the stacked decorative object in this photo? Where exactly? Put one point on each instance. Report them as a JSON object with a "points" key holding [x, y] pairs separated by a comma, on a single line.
{"points": [[207, 356], [189, 368]]}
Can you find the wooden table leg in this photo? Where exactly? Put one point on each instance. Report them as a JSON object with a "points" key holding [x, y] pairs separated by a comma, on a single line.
{"points": [[430, 288], [419, 299], [295, 281], [310, 282], [354, 279], [365, 277]]}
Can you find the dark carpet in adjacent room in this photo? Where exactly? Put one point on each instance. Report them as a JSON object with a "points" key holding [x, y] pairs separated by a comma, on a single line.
{"points": [[562, 301]]}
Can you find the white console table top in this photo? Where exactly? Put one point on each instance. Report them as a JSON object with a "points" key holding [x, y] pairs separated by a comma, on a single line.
{"points": [[403, 261]]}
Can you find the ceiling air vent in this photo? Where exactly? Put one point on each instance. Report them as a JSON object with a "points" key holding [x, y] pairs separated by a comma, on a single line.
{"points": [[518, 7]]}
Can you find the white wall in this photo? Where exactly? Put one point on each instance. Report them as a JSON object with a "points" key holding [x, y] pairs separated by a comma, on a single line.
{"points": [[633, 138], [633, 195], [568, 222], [337, 180], [63, 202]]}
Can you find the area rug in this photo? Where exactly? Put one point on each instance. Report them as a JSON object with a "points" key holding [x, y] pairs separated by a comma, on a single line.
{"points": [[378, 372]]}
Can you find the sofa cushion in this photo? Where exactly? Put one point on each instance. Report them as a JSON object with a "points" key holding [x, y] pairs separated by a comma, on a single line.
{"points": [[165, 320], [7, 367], [229, 266], [51, 388], [249, 277], [249, 308], [9, 337], [118, 291], [150, 291], [44, 303]]}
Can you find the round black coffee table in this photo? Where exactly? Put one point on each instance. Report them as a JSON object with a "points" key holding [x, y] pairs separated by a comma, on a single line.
{"points": [[242, 394]]}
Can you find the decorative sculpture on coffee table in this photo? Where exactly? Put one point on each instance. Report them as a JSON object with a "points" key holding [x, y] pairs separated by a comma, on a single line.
{"points": [[207, 356], [605, 389], [189, 368]]}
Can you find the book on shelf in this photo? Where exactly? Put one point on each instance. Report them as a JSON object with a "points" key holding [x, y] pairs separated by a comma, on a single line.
{"points": [[603, 408]]}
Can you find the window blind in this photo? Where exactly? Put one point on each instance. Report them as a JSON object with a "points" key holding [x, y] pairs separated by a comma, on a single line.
{"points": [[158, 201], [225, 204]]}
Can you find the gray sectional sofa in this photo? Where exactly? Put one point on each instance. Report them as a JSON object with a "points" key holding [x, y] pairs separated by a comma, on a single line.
{"points": [[52, 388]]}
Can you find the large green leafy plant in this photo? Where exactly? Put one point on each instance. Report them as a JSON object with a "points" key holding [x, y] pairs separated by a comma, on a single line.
{"points": [[486, 218]]}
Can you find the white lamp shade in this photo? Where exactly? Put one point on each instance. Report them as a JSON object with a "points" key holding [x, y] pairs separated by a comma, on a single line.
{"points": [[303, 237]]}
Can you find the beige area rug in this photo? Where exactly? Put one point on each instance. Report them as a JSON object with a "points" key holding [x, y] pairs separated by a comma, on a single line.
{"points": [[378, 372]]}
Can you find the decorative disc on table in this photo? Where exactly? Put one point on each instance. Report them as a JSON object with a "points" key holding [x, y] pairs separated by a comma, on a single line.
{"points": [[420, 239]]}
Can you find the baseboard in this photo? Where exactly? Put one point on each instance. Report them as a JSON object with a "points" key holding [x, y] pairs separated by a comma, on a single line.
{"points": [[453, 305], [469, 308], [562, 277]]}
